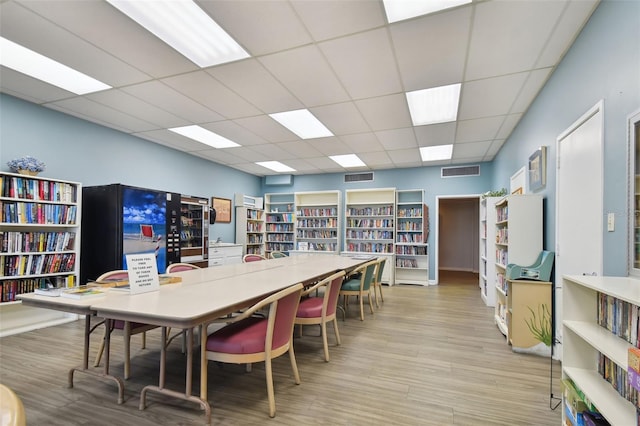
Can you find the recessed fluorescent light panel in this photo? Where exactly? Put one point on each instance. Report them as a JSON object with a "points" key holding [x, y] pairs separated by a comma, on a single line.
{"points": [[435, 105], [302, 123], [399, 10], [348, 160], [205, 136], [38, 66], [186, 28], [436, 153], [276, 166]]}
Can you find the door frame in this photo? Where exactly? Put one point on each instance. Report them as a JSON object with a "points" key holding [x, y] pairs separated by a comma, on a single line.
{"points": [[436, 263]]}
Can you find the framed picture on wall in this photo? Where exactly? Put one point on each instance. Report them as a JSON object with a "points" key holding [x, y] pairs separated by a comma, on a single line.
{"points": [[222, 207], [538, 169]]}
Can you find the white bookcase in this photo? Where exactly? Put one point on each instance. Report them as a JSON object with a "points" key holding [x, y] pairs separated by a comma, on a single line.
{"points": [[412, 231], [39, 246], [487, 276], [518, 228], [318, 221], [370, 227], [584, 339], [280, 222]]}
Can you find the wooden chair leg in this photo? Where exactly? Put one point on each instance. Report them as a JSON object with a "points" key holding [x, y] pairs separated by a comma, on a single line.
{"points": [[325, 342], [380, 288], [370, 303], [335, 329], [272, 399], [362, 308], [294, 365]]}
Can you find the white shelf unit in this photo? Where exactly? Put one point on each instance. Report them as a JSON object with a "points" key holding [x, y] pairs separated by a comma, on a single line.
{"points": [[370, 227], [250, 230], [39, 245], [518, 240], [318, 221], [487, 276], [411, 248], [280, 222], [584, 339]]}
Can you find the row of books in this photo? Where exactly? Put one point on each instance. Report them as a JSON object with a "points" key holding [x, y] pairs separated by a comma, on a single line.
{"points": [[36, 264], [254, 227], [319, 233], [279, 227], [619, 317], [254, 214], [318, 212], [370, 211], [501, 282], [369, 235], [11, 288], [406, 263], [502, 257], [410, 212], [18, 242], [411, 250], [19, 212], [409, 238], [254, 239], [280, 218], [278, 238], [370, 247], [409, 226], [618, 377], [502, 213], [370, 223], [309, 246], [279, 246], [317, 223], [502, 236], [37, 189]]}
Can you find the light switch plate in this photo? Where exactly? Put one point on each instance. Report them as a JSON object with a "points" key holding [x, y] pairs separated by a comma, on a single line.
{"points": [[611, 225]]}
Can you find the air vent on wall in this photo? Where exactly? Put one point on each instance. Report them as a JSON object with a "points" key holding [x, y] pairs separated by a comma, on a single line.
{"points": [[447, 172], [358, 177]]}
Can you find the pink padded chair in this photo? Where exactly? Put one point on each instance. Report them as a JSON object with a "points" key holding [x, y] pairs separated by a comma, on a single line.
{"points": [[322, 309], [127, 328], [178, 267], [253, 258], [248, 339]]}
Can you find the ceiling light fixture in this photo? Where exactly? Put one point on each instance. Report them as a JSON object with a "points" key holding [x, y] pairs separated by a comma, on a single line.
{"points": [[26, 61], [434, 105], [399, 10], [205, 136], [436, 153], [348, 160], [302, 123], [186, 28], [276, 166]]}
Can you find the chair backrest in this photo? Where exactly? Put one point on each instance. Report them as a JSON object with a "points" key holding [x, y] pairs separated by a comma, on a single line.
{"points": [[381, 262], [282, 314], [253, 258], [368, 275], [277, 254], [177, 267], [331, 293], [115, 275]]}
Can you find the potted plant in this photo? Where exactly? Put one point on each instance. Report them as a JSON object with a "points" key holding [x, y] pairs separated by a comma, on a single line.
{"points": [[26, 165]]}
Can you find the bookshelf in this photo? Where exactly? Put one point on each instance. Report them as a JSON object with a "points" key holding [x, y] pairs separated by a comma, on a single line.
{"points": [[412, 232], [39, 245], [318, 221], [280, 222], [487, 275], [370, 227], [194, 230], [518, 228], [250, 230], [585, 340]]}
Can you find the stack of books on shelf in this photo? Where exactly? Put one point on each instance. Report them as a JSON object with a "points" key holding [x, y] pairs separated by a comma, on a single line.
{"points": [[578, 410]]}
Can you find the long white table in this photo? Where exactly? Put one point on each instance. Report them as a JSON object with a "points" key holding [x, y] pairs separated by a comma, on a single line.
{"points": [[202, 296]]}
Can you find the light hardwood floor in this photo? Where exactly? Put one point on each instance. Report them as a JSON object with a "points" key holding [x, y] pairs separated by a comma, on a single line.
{"points": [[428, 356]]}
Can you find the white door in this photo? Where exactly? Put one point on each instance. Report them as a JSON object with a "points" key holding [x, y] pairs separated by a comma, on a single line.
{"points": [[579, 204]]}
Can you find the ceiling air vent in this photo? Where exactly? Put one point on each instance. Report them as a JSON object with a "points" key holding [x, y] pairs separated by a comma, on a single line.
{"points": [[358, 177], [447, 172]]}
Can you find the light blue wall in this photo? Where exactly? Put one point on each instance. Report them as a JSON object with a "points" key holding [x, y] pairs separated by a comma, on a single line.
{"points": [[427, 178], [81, 151], [603, 63]]}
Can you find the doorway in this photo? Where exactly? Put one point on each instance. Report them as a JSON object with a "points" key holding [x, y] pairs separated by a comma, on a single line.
{"points": [[457, 239]]}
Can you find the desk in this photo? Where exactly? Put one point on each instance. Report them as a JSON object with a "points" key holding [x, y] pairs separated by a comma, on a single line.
{"points": [[204, 295]]}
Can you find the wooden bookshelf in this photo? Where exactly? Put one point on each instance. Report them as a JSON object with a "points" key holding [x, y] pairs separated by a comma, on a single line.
{"points": [[39, 246]]}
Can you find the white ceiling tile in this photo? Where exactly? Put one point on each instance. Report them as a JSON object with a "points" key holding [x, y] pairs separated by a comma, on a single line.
{"points": [[268, 128], [330, 19], [364, 63], [342, 118], [509, 36], [261, 27], [174, 140], [377, 159], [234, 132], [362, 142], [302, 166], [493, 150], [406, 157], [478, 130], [532, 87], [418, 41], [299, 68], [247, 154], [397, 138], [385, 112], [254, 83], [222, 156], [435, 134], [253, 169], [273, 152], [491, 96], [509, 123], [29, 88], [332, 146], [324, 164], [300, 149], [471, 150]]}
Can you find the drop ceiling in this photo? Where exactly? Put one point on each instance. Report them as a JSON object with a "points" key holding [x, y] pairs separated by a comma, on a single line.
{"points": [[339, 59]]}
